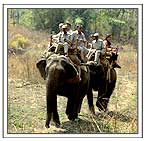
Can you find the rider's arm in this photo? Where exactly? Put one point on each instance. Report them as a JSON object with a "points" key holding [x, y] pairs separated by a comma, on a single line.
{"points": [[103, 49], [106, 46], [84, 39]]}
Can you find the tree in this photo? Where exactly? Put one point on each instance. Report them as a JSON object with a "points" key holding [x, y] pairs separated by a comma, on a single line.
{"points": [[121, 22]]}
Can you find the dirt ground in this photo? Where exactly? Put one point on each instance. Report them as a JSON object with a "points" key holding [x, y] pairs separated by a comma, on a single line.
{"points": [[27, 110]]}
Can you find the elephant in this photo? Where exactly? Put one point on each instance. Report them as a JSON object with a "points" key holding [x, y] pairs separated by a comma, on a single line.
{"points": [[102, 79], [62, 79]]}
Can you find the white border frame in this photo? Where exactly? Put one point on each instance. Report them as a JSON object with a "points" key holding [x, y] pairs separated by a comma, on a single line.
{"points": [[140, 101]]}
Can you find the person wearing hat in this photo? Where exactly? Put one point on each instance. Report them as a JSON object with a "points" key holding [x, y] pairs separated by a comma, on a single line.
{"points": [[69, 27], [79, 41], [55, 38], [112, 50], [64, 39], [60, 28], [78, 35], [97, 47]]}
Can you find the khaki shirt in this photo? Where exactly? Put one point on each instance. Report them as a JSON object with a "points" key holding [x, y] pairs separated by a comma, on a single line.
{"points": [[64, 37], [56, 37], [78, 39], [70, 31], [98, 45]]}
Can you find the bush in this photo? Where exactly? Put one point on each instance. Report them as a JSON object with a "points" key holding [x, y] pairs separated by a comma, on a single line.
{"points": [[19, 41]]}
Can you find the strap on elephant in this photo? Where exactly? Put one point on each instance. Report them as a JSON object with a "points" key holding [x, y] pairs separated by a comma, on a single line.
{"points": [[107, 65], [109, 75], [73, 51]]}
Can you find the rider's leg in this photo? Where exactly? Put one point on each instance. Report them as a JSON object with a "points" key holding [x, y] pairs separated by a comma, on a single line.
{"points": [[97, 57], [66, 48]]}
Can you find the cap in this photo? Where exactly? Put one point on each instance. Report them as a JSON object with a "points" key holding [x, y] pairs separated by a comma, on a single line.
{"points": [[96, 34], [108, 35], [64, 26], [61, 24], [68, 23], [79, 25]]}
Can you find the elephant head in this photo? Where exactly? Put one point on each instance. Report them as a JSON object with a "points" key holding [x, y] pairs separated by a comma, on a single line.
{"points": [[97, 75]]}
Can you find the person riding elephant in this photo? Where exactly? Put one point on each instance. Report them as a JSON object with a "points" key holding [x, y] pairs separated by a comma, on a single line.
{"points": [[55, 38], [59, 44], [111, 50], [65, 40], [79, 41], [97, 48]]}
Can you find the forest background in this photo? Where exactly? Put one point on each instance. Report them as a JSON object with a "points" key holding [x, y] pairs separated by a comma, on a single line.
{"points": [[121, 23]]}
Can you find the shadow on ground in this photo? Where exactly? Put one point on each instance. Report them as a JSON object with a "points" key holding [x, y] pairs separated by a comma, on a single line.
{"points": [[88, 124], [78, 126]]}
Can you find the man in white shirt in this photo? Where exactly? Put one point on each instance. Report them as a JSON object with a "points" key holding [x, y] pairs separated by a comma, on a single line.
{"points": [[98, 46], [79, 41], [64, 40]]}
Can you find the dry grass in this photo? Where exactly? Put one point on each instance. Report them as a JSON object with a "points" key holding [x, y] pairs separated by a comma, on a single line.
{"points": [[26, 96], [36, 37], [24, 67]]}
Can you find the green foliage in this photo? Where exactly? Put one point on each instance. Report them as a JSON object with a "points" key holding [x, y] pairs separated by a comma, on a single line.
{"points": [[47, 19], [27, 19], [121, 22], [116, 21], [78, 20]]}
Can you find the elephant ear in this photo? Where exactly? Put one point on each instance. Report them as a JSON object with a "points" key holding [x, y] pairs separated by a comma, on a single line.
{"points": [[70, 70], [41, 64]]}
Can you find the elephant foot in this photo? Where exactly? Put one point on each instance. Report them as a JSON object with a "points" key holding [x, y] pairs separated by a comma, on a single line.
{"points": [[47, 125], [56, 121], [92, 110], [57, 125], [72, 117]]}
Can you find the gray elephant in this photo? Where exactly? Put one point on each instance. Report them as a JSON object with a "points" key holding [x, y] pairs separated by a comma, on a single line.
{"points": [[102, 79], [62, 79]]}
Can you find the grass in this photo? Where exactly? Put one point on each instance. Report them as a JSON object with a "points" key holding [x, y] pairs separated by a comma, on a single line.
{"points": [[27, 99]]}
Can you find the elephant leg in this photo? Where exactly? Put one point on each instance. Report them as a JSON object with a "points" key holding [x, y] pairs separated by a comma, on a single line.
{"points": [[80, 104], [100, 104], [67, 108], [110, 88], [71, 110], [90, 101], [109, 92], [55, 114], [103, 99], [49, 112]]}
